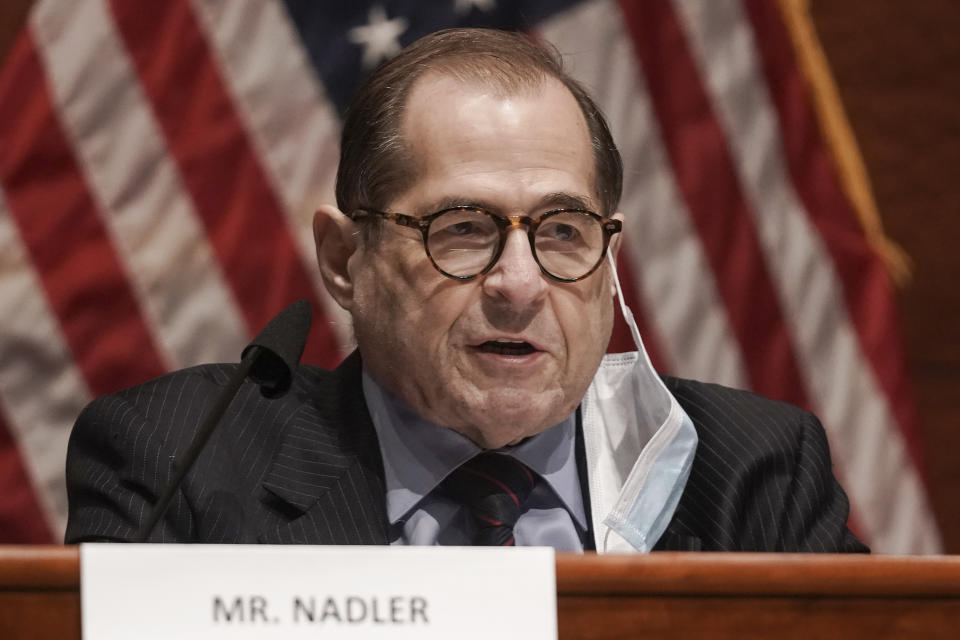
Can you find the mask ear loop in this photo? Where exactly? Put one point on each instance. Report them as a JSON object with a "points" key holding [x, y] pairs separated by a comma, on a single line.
{"points": [[680, 443], [625, 310]]}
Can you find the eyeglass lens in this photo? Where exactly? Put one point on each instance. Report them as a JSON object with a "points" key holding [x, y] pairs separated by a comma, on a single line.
{"points": [[462, 242]]}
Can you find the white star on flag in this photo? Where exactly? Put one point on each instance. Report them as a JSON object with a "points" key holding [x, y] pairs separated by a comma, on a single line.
{"points": [[380, 37]]}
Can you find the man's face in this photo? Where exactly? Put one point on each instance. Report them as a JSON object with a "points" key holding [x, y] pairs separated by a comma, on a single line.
{"points": [[449, 348]]}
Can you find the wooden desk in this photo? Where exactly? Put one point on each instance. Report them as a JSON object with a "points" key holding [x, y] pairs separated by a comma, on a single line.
{"points": [[709, 595], [668, 595]]}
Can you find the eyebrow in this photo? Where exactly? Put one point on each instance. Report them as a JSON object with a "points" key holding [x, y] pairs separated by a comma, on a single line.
{"points": [[557, 200], [562, 200]]}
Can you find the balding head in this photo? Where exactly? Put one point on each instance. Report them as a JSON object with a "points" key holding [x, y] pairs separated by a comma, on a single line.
{"points": [[376, 164]]}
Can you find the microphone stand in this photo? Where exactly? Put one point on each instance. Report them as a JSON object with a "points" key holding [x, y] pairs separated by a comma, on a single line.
{"points": [[210, 422], [269, 361]]}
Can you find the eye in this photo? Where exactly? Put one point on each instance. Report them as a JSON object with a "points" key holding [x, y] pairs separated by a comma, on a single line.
{"points": [[462, 228], [564, 232], [557, 231], [463, 225]]}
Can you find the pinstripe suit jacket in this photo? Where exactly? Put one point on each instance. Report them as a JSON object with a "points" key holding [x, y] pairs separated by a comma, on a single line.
{"points": [[306, 468]]}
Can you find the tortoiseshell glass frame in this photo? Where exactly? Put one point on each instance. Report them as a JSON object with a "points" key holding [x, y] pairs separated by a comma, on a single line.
{"points": [[505, 224]]}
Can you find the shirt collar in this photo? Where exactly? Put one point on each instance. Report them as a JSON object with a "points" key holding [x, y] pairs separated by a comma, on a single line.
{"points": [[418, 454]]}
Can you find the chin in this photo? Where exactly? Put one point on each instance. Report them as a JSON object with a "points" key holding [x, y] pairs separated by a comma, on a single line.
{"points": [[502, 424], [491, 441]]}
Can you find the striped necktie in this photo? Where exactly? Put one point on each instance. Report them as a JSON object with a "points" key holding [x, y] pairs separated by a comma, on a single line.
{"points": [[494, 487]]}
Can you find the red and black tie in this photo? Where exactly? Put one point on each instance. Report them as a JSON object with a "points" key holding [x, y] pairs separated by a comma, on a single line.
{"points": [[495, 488]]}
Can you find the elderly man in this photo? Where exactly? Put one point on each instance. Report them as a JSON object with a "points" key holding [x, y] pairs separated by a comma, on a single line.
{"points": [[471, 244]]}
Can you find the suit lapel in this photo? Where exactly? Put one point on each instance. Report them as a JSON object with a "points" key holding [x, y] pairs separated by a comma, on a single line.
{"points": [[325, 483]]}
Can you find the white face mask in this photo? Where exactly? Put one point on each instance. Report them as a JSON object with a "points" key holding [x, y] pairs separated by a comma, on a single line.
{"points": [[639, 446]]}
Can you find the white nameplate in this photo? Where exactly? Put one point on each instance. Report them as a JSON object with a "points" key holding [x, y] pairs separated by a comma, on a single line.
{"points": [[243, 592]]}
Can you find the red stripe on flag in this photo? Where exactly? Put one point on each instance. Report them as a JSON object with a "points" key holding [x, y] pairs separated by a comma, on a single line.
{"points": [[621, 341], [22, 521], [717, 205], [219, 167], [865, 284], [60, 225]]}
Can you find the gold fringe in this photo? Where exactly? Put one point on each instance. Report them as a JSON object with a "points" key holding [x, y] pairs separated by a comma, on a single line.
{"points": [[840, 139]]}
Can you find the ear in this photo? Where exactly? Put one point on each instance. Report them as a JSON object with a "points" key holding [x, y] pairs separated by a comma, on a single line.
{"points": [[334, 234], [614, 249]]}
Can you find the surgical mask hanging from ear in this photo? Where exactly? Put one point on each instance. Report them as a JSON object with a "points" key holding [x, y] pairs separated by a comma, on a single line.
{"points": [[626, 312], [640, 446]]}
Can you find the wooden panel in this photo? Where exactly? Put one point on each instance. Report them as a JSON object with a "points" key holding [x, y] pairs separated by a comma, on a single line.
{"points": [[681, 595], [756, 617], [896, 64], [40, 615], [39, 593], [759, 574]]}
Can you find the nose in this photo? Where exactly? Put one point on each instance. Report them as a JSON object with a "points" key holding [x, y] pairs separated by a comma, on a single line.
{"points": [[516, 277]]}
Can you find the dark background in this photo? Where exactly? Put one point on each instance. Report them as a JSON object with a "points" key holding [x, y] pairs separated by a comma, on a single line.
{"points": [[897, 65]]}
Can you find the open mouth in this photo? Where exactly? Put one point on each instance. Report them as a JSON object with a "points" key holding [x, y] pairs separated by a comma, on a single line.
{"points": [[507, 348]]}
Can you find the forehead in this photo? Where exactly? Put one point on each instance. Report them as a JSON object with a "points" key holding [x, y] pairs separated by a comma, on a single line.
{"points": [[468, 139]]}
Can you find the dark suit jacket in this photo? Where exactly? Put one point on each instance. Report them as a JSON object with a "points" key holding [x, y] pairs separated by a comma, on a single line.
{"points": [[306, 468]]}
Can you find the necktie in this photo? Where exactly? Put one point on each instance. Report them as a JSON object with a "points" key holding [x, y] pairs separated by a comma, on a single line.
{"points": [[494, 487]]}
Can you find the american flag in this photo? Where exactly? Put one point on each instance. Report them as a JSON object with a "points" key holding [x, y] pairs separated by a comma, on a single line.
{"points": [[160, 163]]}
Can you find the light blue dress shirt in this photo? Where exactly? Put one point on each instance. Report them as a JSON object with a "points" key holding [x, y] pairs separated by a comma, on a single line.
{"points": [[418, 455]]}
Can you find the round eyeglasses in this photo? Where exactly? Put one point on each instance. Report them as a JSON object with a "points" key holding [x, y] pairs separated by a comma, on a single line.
{"points": [[465, 242]]}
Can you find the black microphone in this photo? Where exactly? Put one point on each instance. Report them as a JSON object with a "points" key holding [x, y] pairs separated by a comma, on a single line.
{"points": [[277, 349], [269, 360]]}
